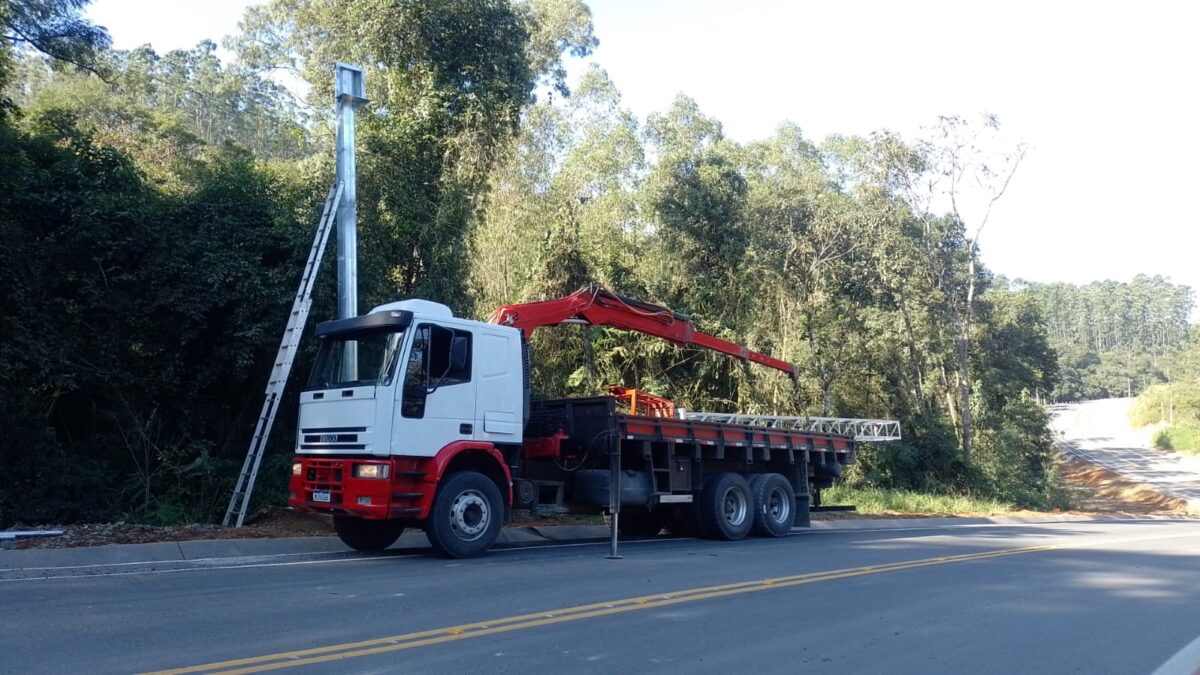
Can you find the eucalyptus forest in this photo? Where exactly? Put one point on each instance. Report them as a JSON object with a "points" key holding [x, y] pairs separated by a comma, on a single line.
{"points": [[156, 211]]}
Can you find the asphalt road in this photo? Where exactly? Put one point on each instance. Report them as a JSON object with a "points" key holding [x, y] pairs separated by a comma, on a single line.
{"points": [[1099, 432], [1092, 597]]}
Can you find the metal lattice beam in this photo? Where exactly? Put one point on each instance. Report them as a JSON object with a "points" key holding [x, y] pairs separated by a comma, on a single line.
{"points": [[859, 429]]}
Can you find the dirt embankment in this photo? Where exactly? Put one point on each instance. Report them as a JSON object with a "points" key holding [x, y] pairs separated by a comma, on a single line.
{"points": [[1098, 490], [275, 522]]}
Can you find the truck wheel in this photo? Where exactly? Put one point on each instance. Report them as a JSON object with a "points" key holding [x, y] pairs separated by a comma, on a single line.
{"points": [[466, 515], [774, 505], [726, 507], [367, 535], [639, 523]]}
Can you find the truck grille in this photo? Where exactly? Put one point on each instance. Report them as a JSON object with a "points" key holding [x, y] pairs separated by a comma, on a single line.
{"points": [[323, 475]]}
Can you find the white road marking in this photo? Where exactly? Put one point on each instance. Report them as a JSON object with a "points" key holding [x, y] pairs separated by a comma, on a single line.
{"points": [[1185, 662]]}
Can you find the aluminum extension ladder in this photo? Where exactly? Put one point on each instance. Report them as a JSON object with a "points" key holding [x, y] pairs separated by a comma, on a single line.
{"points": [[240, 501]]}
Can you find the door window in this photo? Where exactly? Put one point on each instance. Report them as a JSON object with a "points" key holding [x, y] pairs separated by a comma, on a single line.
{"points": [[440, 357]]}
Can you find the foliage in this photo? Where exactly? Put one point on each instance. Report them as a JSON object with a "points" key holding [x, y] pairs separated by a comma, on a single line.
{"points": [[885, 500], [448, 81], [150, 103], [1015, 456], [1112, 338], [793, 249], [1181, 439], [1177, 403], [54, 28], [1176, 407], [130, 372]]}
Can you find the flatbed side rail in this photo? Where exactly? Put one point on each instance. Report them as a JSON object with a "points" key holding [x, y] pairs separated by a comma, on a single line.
{"points": [[754, 442], [863, 430]]}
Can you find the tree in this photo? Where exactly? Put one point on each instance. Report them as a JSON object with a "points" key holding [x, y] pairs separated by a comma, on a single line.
{"points": [[55, 28], [696, 196], [809, 241], [448, 81], [955, 166], [561, 212], [184, 93], [1113, 336]]}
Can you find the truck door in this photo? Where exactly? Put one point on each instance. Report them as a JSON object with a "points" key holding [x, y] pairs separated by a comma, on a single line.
{"points": [[500, 398], [437, 397]]}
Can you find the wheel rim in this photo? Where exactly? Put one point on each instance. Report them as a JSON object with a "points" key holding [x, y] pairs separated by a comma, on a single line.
{"points": [[734, 507], [469, 515], [778, 508]]}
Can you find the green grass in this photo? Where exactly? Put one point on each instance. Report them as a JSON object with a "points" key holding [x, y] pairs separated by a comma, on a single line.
{"points": [[1179, 439], [878, 500]]}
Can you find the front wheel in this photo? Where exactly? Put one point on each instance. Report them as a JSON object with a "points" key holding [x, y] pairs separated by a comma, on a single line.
{"points": [[367, 535], [466, 515]]}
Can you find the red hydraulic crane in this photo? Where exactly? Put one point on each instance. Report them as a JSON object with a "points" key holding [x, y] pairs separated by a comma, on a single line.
{"points": [[597, 306]]}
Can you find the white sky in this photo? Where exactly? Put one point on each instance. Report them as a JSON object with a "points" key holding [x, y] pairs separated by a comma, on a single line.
{"points": [[1105, 93]]}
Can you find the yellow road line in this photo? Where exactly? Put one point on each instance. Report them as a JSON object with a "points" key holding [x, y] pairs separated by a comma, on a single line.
{"points": [[478, 629]]}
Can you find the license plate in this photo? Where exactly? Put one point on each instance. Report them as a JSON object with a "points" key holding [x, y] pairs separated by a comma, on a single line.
{"points": [[321, 496]]}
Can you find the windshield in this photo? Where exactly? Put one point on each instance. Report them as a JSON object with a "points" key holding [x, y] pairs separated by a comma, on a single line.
{"points": [[366, 360]]}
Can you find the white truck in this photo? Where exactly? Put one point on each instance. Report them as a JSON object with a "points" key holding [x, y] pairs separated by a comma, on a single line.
{"points": [[416, 418]]}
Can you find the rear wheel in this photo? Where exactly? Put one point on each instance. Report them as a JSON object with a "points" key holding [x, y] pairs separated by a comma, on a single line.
{"points": [[774, 505], [726, 507], [466, 515], [367, 535]]}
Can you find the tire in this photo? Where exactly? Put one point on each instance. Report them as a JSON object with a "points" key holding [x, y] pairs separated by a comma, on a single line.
{"points": [[635, 523], [367, 535], [774, 505], [726, 508], [466, 515]]}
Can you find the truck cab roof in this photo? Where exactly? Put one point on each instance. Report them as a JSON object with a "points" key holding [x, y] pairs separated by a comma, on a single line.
{"points": [[425, 309]]}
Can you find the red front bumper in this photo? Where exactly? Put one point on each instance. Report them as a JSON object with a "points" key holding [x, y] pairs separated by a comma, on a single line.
{"points": [[328, 485]]}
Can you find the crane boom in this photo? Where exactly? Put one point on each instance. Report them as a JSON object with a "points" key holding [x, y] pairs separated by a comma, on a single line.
{"points": [[597, 306]]}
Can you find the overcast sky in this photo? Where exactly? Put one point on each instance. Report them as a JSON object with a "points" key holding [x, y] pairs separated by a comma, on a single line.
{"points": [[1104, 93]]}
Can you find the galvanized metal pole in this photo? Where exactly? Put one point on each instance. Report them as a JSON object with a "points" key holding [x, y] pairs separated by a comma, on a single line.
{"points": [[349, 91], [350, 95], [614, 499]]}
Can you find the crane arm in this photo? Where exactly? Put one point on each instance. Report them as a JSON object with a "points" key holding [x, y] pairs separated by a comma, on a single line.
{"points": [[597, 306]]}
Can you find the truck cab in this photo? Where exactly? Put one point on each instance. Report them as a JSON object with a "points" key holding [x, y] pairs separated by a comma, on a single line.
{"points": [[397, 397]]}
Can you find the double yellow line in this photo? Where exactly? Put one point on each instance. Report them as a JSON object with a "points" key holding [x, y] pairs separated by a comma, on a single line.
{"points": [[397, 643]]}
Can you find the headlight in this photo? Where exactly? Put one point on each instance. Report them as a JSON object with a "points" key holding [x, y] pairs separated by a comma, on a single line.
{"points": [[297, 467], [370, 470]]}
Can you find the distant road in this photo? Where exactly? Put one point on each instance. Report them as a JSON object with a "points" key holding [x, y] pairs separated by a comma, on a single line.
{"points": [[1099, 432], [1057, 597]]}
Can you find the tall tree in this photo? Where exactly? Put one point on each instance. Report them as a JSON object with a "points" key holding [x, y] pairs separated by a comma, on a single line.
{"points": [[956, 166], [696, 195], [448, 80], [190, 92], [55, 28]]}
